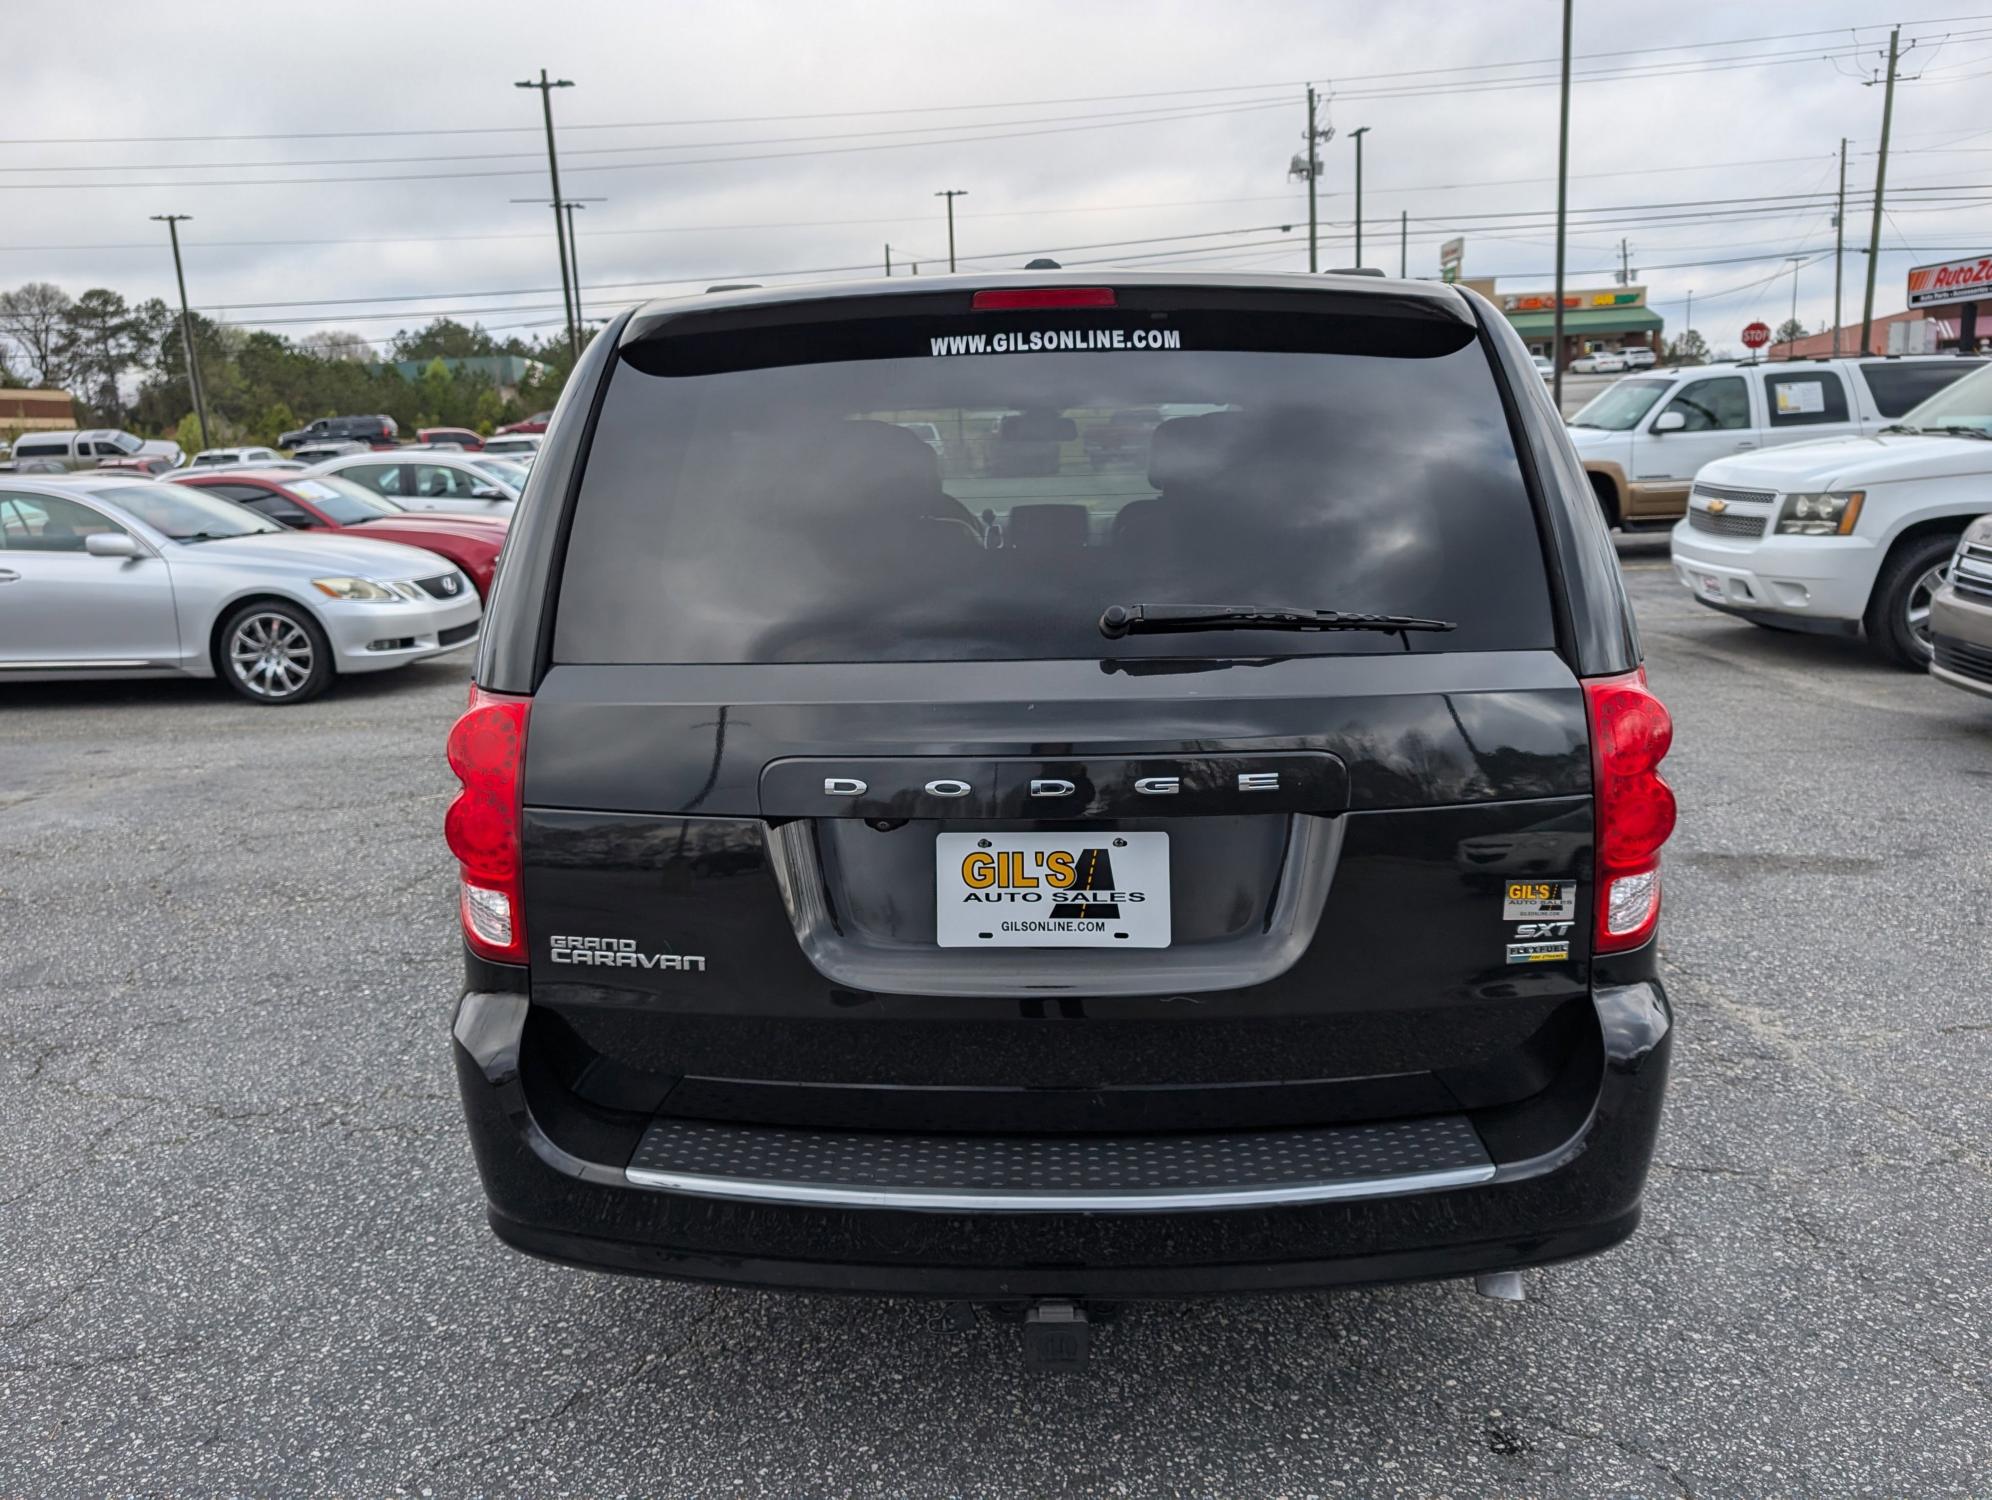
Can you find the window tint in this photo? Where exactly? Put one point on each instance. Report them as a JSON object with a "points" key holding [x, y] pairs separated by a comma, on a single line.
{"points": [[1804, 398], [48, 523], [384, 479], [1899, 386], [277, 508], [795, 513], [1719, 403]]}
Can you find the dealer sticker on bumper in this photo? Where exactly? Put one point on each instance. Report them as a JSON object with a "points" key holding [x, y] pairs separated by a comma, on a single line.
{"points": [[1051, 890]]}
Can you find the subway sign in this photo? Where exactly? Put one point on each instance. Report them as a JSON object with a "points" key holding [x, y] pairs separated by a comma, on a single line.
{"points": [[1951, 281], [1582, 301]]}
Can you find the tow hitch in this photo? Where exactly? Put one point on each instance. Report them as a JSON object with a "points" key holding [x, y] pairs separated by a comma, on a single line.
{"points": [[1057, 1331], [1057, 1336]]}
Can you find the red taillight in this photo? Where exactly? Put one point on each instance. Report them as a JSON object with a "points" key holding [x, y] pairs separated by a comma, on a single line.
{"points": [[1634, 808], [487, 749], [1013, 298]]}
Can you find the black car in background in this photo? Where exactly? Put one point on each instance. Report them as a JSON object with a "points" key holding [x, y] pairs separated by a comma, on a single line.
{"points": [[375, 432], [1033, 882]]}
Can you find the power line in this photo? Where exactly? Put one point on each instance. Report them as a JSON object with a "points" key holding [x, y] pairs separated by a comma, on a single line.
{"points": [[1280, 84]]}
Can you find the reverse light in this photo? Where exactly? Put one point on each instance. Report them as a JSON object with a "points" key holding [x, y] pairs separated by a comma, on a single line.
{"points": [[1633, 807], [1010, 299], [1820, 515], [356, 588], [486, 749]]}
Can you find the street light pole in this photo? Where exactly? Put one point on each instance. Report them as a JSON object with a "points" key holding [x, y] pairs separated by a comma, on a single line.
{"points": [[1839, 245], [1357, 135], [951, 194], [546, 86], [194, 389], [1562, 202]]}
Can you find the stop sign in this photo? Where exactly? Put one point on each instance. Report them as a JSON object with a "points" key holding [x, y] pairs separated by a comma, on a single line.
{"points": [[1756, 335]]}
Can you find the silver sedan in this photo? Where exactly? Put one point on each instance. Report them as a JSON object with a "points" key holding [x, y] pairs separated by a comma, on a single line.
{"points": [[122, 578], [466, 484]]}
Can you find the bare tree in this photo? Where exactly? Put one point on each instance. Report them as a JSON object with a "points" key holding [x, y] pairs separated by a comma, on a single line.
{"points": [[32, 320], [337, 343]]}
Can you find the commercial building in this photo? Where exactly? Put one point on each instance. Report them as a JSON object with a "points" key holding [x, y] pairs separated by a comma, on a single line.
{"points": [[1609, 318], [36, 411]]}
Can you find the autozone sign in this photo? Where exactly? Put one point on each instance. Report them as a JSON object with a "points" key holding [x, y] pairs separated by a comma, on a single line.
{"points": [[1951, 281]]}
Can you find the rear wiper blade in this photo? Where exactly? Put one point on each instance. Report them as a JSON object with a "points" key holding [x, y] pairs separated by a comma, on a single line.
{"points": [[1118, 620]]}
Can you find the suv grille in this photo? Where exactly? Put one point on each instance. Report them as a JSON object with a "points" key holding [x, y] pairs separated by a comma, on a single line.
{"points": [[444, 586], [1973, 573], [1701, 520], [1723, 492], [1974, 662]]}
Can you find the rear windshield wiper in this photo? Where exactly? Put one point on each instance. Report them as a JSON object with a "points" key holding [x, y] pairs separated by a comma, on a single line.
{"points": [[1118, 620]]}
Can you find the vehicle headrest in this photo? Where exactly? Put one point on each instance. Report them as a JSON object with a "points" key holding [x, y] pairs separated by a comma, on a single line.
{"points": [[880, 456], [1189, 451]]}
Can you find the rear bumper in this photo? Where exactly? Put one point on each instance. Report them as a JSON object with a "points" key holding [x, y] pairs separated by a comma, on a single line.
{"points": [[1567, 1171]]}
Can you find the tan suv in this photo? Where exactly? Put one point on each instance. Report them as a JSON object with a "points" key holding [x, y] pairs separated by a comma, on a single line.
{"points": [[1961, 614]]}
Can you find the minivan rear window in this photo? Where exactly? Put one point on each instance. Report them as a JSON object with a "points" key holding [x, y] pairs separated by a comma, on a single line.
{"points": [[800, 509]]}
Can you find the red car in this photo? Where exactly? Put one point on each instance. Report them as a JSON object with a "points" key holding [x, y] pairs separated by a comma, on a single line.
{"points": [[463, 437], [325, 502], [535, 423]]}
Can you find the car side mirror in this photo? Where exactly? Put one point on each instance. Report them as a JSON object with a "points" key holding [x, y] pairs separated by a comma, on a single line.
{"points": [[111, 544], [1669, 421], [487, 492]]}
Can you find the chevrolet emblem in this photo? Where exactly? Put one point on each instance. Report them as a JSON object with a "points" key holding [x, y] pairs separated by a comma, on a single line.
{"points": [[1717, 507]]}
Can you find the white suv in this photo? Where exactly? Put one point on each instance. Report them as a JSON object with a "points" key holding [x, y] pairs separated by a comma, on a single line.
{"points": [[1847, 535], [1644, 438]]}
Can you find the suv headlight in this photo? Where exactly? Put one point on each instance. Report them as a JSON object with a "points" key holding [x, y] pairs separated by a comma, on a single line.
{"points": [[1820, 515], [356, 588]]}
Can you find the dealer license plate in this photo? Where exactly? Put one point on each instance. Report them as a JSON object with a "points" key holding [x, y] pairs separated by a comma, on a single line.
{"points": [[1051, 890]]}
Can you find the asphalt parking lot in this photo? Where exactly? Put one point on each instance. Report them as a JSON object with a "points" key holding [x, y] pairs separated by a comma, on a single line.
{"points": [[244, 1249]]}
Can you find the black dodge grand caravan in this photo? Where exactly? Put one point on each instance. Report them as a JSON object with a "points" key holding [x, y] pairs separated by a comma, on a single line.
{"points": [[905, 849]]}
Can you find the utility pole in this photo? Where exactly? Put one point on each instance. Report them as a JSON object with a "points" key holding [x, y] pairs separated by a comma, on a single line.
{"points": [[1796, 262], [570, 252], [1880, 181], [951, 194], [1403, 243], [1625, 264], [888, 260], [1357, 136], [194, 389], [1688, 321], [1839, 245], [1562, 202], [1313, 172], [546, 86], [574, 259]]}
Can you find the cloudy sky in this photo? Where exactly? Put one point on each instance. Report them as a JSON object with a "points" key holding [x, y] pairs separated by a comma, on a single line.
{"points": [[357, 169]]}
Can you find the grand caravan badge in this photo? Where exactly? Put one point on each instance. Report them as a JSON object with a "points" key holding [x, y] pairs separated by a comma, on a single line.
{"points": [[1051, 890]]}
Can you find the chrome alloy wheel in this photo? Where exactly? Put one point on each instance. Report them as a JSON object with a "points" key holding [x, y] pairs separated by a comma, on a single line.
{"points": [[1917, 606], [271, 655]]}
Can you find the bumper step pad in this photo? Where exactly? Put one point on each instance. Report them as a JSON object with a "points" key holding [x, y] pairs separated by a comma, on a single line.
{"points": [[1060, 1174]]}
